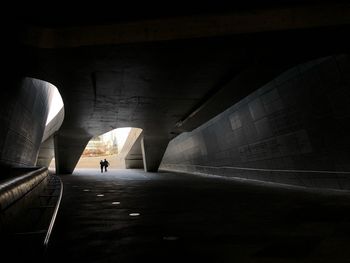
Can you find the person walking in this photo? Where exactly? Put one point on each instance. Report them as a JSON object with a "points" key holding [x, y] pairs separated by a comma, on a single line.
{"points": [[106, 164], [102, 165]]}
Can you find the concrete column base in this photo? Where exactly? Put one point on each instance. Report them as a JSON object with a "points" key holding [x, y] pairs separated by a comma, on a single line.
{"points": [[153, 149], [68, 150]]}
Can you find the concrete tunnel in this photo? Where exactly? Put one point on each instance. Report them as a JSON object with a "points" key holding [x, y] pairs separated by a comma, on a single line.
{"points": [[256, 92]]}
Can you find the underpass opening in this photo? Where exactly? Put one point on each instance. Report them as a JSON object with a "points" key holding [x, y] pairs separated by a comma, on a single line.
{"points": [[119, 147]]}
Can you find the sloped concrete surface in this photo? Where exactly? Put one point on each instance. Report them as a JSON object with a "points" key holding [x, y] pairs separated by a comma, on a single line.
{"points": [[293, 130], [28, 206], [133, 216]]}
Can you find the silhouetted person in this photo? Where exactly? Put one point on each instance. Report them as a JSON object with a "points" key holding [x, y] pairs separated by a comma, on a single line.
{"points": [[106, 163], [102, 164]]}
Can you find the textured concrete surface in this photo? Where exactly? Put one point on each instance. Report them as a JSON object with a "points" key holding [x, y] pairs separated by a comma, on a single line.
{"points": [[195, 219], [13, 189], [23, 112], [47, 151], [298, 121]]}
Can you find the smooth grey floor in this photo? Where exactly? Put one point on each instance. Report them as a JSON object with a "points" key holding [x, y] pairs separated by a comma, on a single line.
{"points": [[185, 218]]}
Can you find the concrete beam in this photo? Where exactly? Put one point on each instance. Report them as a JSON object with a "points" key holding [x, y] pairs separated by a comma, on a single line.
{"points": [[251, 21], [153, 149], [68, 150]]}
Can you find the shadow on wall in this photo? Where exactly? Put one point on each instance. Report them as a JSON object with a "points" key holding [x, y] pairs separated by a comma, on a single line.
{"points": [[285, 132]]}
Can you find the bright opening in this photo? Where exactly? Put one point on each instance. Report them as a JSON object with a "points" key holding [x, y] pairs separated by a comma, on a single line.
{"points": [[122, 134], [55, 106], [106, 146]]}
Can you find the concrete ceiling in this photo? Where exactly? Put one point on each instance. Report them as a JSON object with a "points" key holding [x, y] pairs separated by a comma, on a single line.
{"points": [[156, 78], [61, 14]]}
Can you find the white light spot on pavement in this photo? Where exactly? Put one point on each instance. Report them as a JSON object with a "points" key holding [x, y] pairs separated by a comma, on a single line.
{"points": [[134, 214]]}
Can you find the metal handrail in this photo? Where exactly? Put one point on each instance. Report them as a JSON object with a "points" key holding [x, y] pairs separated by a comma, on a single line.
{"points": [[47, 237]]}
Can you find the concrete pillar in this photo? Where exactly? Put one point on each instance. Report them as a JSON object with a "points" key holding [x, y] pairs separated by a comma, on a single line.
{"points": [[68, 150], [133, 159], [153, 149]]}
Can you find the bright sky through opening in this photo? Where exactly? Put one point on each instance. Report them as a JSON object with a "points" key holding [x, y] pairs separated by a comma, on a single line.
{"points": [[122, 134], [56, 105]]}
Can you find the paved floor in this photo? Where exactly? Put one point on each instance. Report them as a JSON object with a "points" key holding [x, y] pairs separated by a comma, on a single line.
{"points": [[132, 216]]}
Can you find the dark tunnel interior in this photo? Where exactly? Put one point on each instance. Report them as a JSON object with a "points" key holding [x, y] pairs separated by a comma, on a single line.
{"points": [[242, 152]]}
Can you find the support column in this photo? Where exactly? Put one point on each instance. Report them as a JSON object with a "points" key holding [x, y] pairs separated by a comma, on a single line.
{"points": [[133, 159], [68, 150], [153, 149]]}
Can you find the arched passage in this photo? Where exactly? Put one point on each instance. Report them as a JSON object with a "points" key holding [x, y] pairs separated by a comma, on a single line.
{"points": [[121, 147]]}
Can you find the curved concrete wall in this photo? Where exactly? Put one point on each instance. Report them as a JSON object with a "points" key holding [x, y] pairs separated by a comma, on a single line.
{"points": [[14, 189], [24, 109], [47, 150], [298, 121]]}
